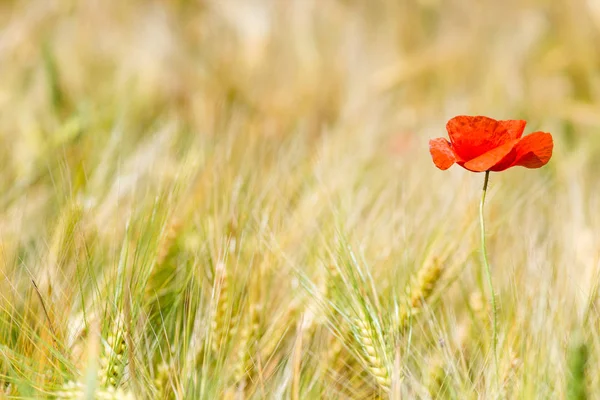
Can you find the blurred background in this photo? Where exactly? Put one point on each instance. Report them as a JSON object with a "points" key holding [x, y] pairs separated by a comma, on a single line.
{"points": [[75, 71], [274, 124], [81, 68]]}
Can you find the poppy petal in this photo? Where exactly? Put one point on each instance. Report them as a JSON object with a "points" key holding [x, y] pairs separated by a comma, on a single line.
{"points": [[442, 154], [488, 160], [534, 150], [506, 162], [514, 127], [472, 137]]}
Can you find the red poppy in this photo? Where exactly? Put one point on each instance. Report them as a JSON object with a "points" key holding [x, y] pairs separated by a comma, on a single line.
{"points": [[484, 144]]}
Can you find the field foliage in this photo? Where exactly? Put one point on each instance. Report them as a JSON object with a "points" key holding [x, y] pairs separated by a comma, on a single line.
{"points": [[235, 199]]}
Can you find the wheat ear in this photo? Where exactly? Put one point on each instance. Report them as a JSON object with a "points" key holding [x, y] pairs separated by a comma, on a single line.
{"points": [[370, 353], [420, 291]]}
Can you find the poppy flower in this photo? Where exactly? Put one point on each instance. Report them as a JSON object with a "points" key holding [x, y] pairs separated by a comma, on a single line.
{"points": [[484, 144]]}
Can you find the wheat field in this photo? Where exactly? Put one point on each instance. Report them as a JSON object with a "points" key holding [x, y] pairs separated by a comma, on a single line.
{"points": [[234, 199]]}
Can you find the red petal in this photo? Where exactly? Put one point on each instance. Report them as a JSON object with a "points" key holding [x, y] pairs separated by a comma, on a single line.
{"points": [[442, 154], [514, 127], [472, 137], [534, 150], [488, 160]]}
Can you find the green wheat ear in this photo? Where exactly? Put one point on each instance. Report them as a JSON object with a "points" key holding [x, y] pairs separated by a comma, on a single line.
{"points": [[113, 359], [577, 361], [243, 340], [367, 340], [437, 378], [223, 322], [419, 291], [76, 391], [162, 382]]}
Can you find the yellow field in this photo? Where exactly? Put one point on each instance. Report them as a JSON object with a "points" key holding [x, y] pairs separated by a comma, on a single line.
{"points": [[231, 199]]}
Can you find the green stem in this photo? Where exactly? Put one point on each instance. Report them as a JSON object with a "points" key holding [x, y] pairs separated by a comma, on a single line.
{"points": [[489, 272]]}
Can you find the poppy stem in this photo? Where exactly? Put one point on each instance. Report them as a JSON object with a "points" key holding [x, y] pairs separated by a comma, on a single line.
{"points": [[488, 272]]}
